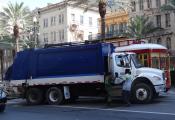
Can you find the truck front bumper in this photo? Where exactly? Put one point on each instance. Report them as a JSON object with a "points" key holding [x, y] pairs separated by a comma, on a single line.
{"points": [[160, 88]]}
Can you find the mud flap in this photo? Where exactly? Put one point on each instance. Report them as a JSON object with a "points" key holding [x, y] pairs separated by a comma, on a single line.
{"points": [[66, 92]]}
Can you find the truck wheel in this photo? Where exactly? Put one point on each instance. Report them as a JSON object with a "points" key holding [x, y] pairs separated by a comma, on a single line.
{"points": [[2, 107], [142, 93], [34, 96], [54, 96]]}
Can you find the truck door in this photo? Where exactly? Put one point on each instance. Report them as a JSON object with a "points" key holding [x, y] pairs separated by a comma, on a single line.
{"points": [[120, 63]]}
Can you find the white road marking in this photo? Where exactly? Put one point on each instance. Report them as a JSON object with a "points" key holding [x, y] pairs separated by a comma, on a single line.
{"points": [[116, 110]]}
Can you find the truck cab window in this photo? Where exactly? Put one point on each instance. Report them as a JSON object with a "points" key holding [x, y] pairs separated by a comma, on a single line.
{"points": [[136, 61], [122, 61]]}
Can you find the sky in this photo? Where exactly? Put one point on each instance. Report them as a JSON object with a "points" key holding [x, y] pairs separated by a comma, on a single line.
{"points": [[32, 4]]}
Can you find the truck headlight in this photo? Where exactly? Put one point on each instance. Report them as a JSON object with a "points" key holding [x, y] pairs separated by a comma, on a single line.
{"points": [[157, 78]]}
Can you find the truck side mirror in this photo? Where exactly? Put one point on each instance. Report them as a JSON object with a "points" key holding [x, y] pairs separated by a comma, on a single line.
{"points": [[116, 75]]}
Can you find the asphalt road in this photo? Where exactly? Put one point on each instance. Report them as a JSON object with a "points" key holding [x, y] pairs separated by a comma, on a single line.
{"points": [[162, 108]]}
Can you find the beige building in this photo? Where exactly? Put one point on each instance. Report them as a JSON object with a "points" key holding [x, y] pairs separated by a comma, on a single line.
{"points": [[116, 23], [162, 19]]}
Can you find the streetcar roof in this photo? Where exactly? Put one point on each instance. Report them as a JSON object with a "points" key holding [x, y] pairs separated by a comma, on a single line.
{"points": [[140, 47]]}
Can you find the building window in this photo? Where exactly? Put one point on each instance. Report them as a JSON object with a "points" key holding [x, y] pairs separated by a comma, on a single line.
{"points": [[158, 20], [149, 3], [111, 28], [167, 20], [51, 35], [107, 29], [159, 41], [81, 19], [60, 35], [73, 17], [59, 19], [54, 36], [63, 35], [121, 28], [158, 3], [168, 42], [141, 4], [124, 27], [116, 29], [53, 21], [133, 3], [45, 23], [62, 18], [45, 35], [166, 2], [90, 36], [90, 21]]}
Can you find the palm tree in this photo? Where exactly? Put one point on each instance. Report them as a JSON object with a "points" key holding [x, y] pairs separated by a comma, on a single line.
{"points": [[140, 27], [17, 18], [169, 6], [103, 6]]}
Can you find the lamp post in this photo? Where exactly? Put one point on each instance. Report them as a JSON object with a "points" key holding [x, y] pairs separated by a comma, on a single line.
{"points": [[34, 30]]}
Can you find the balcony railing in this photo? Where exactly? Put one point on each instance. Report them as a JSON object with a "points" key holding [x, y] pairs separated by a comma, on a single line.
{"points": [[107, 35]]}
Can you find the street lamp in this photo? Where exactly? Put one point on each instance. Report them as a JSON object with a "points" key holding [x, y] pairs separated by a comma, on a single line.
{"points": [[35, 23]]}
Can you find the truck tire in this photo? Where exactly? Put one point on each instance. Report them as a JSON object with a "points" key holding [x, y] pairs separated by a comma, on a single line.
{"points": [[2, 107], [142, 93], [54, 96], [34, 96]]}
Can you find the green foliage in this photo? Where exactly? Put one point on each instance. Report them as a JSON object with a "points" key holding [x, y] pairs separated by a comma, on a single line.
{"points": [[139, 27], [9, 42], [170, 6], [111, 4], [11, 15]]}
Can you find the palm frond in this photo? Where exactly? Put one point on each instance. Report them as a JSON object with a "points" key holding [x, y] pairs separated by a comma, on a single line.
{"points": [[140, 27], [170, 6], [15, 14]]}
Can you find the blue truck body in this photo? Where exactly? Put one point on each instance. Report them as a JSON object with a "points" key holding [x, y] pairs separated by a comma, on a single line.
{"points": [[54, 72], [62, 61]]}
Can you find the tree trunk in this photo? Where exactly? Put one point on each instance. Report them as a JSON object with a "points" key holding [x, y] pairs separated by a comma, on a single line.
{"points": [[16, 34], [103, 28], [17, 44], [2, 64], [102, 11]]}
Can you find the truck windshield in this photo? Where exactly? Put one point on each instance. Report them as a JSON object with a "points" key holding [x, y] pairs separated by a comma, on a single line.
{"points": [[136, 61]]}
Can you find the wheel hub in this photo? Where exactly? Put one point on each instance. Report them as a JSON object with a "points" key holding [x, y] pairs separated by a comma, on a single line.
{"points": [[141, 94], [53, 96]]}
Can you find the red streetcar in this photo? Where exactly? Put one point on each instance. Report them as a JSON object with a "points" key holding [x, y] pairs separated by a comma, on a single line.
{"points": [[150, 55]]}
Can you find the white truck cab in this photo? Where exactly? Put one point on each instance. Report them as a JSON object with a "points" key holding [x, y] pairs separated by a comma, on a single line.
{"points": [[146, 82]]}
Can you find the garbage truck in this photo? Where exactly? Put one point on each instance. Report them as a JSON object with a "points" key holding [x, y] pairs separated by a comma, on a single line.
{"points": [[65, 71]]}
